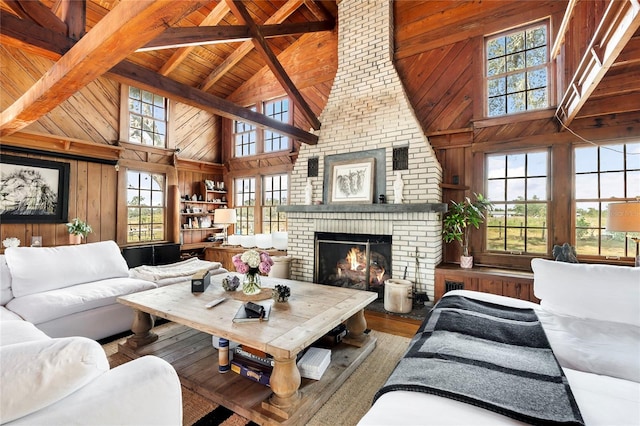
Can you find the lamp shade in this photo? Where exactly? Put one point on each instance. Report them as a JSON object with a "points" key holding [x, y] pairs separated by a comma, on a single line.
{"points": [[222, 216], [623, 217]]}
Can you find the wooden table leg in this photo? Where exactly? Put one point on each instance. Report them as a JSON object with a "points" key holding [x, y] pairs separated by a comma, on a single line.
{"points": [[356, 325], [142, 335], [285, 382]]}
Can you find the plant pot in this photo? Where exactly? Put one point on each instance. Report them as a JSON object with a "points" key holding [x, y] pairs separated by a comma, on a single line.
{"points": [[466, 262], [75, 239]]}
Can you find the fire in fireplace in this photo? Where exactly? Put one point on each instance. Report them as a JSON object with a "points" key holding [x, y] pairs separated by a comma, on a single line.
{"points": [[353, 260]]}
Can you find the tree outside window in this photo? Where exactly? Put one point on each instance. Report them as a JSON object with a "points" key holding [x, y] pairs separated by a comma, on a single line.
{"points": [[145, 206], [147, 118], [517, 71], [275, 190], [604, 174], [517, 185]]}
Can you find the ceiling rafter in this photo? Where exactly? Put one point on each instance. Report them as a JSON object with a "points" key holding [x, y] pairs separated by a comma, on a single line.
{"points": [[40, 41], [38, 13], [87, 60], [260, 43], [241, 51], [192, 36], [213, 18]]}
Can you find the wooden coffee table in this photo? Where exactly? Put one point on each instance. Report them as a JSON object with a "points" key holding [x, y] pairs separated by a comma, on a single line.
{"points": [[311, 312]]}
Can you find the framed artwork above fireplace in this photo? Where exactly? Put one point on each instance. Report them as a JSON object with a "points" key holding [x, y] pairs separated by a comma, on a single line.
{"points": [[351, 181]]}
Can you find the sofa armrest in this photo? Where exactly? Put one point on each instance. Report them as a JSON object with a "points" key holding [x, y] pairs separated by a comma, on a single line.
{"points": [[145, 391]]}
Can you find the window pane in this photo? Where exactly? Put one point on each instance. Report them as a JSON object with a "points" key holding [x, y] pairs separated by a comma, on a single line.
{"points": [[537, 37], [143, 108], [586, 186], [497, 87], [515, 103], [495, 66], [515, 165], [496, 166], [515, 42], [633, 184], [537, 99], [536, 78], [537, 164], [633, 156], [536, 189], [612, 185], [515, 82], [536, 57], [515, 62], [586, 159], [496, 47], [612, 158], [497, 106]]}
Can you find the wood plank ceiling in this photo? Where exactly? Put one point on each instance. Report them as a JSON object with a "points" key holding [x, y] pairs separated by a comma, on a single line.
{"points": [[198, 52]]}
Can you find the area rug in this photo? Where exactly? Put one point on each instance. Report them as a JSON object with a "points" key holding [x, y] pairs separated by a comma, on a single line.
{"points": [[356, 393]]}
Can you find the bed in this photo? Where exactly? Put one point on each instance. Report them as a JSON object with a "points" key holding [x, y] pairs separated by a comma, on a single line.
{"points": [[590, 317]]}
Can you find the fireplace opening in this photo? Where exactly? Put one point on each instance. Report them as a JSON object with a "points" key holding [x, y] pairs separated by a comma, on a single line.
{"points": [[358, 261]]}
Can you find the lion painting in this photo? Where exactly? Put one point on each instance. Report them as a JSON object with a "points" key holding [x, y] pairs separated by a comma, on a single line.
{"points": [[25, 192]]}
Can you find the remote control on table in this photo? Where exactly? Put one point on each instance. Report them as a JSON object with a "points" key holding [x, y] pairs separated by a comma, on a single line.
{"points": [[215, 302]]}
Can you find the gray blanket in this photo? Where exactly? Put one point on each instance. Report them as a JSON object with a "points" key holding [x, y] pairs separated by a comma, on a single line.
{"points": [[488, 355]]}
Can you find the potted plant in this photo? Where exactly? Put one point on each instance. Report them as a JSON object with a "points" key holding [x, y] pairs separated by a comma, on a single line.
{"points": [[458, 221], [78, 230]]}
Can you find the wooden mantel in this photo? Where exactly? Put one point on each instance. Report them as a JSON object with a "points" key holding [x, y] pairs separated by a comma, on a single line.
{"points": [[366, 208]]}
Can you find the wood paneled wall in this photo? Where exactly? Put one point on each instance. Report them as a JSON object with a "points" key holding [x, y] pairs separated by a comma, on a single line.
{"points": [[92, 197]]}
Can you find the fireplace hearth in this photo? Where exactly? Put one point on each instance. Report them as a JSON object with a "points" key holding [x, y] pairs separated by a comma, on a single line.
{"points": [[359, 261]]}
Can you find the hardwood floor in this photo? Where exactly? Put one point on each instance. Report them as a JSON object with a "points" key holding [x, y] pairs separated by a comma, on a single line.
{"points": [[392, 324]]}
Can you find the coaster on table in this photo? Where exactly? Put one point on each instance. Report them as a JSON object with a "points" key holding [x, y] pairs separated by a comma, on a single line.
{"points": [[265, 293]]}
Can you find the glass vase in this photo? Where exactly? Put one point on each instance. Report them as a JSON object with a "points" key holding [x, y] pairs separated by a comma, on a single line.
{"points": [[251, 284]]}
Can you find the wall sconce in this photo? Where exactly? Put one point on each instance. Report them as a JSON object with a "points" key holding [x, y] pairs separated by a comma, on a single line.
{"points": [[224, 217], [625, 217]]}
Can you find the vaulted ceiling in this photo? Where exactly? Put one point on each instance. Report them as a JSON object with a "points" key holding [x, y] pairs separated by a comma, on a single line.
{"points": [[197, 52]]}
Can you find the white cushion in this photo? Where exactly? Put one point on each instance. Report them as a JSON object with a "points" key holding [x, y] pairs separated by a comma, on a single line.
{"points": [[7, 315], [38, 373], [5, 281], [38, 269], [601, 292], [46, 306], [12, 332]]}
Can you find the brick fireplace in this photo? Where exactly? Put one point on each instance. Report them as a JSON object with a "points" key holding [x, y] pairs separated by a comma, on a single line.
{"points": [[369, 116]]}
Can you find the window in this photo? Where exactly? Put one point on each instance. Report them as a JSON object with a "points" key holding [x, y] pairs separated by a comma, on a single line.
{"points": [[604, 174], [249, 140], [245, 201], [517, 184], [275, 192], [244, 137], [145, 206], [517, 64], [278, 110], [147, 118]]}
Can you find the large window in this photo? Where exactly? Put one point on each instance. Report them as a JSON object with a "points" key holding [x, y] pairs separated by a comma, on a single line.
{"points": [[604, 174], [518, 185], [147, 118], [145, 206], [517, 70], [278, 110], [275, 190], [245, 201], [249, 140]]}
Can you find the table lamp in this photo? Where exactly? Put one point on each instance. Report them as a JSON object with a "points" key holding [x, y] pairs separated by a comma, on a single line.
{"points": [[625, 217], [224, 217]]}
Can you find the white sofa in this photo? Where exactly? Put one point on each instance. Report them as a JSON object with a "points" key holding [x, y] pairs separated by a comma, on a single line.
{"points": [[72, 290], [69, 290], [67, 381], [591, 317]]}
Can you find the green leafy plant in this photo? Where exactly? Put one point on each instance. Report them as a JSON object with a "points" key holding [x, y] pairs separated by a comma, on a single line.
{"points": [[460, 217], [79, 227]]}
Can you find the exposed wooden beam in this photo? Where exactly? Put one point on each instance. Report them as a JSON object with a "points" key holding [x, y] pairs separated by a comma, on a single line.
{"points": [[108, 43], [213, 18], [562, 31], [31, 37], [141, 77], [38, 13], [74, 14], [132, 74], [197, 36], [246, 47], [260, 43], [618, 25]]}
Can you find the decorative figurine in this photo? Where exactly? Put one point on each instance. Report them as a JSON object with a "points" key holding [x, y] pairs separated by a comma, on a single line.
{"points": [[230, 283], [281, 293]]}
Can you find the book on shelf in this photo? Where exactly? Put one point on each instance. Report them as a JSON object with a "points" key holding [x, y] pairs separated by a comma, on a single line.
{"points": [[314, 363], [257, 375], [244, 315], [243, 352]]}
